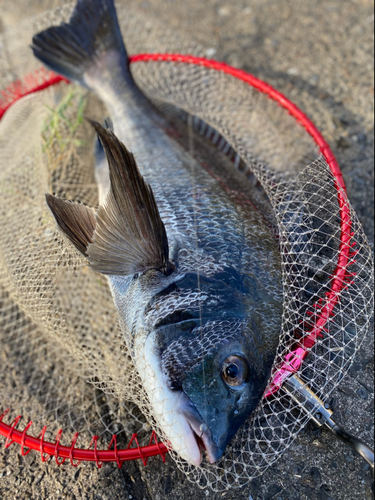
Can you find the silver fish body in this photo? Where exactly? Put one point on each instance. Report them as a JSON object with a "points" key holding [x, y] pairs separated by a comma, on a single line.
{"points": [[203, 331]]}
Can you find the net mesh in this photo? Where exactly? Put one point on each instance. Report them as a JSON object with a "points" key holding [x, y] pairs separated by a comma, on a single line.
{"points": [[59, 327]]}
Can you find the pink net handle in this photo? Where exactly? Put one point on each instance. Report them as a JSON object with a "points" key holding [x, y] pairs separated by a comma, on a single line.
{"points": [[293, 361]]}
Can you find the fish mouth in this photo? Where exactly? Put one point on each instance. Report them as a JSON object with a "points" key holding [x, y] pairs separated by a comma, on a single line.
{"points": [[200, 430]]}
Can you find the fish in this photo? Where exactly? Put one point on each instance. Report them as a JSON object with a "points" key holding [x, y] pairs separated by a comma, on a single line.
{"points": [[193, 267]]}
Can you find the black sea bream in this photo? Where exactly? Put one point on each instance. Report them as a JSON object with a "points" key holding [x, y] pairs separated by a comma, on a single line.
{"points": [[193, 267]]}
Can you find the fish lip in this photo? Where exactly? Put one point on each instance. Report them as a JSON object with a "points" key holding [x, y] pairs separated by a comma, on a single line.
{"points": [[204, 440], [200, 430]]}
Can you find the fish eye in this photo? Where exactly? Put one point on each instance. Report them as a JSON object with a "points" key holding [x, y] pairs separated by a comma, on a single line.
{"points": [[235, 370]]}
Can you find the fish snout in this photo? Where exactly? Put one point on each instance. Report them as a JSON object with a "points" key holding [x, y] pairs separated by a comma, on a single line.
{"points": [[201, 431]]}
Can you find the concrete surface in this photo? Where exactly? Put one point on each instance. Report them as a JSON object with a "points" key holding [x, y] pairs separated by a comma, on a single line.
{"points": [[320, 54]]}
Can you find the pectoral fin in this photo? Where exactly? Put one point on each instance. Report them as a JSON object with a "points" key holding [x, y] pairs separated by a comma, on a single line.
{"points": [[130, 235], [127, 235]]}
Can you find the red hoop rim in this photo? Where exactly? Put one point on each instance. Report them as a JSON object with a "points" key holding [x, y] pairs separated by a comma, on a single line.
{"points": [[340, 279]]}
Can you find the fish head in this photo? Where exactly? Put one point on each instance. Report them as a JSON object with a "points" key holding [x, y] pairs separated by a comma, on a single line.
{"points": [[222, 383], [225, 389], [215, 362]]}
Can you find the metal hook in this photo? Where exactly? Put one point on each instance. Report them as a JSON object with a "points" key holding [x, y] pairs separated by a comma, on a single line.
{"points": [[322, 415]]}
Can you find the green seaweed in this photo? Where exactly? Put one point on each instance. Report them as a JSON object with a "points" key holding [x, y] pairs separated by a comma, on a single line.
{"points": [[60, 120]]}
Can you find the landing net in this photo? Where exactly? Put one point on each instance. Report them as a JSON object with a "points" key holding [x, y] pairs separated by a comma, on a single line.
{"points": [[58, 324]]}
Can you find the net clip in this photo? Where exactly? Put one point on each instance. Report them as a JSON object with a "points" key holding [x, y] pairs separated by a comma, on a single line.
{"points": [[23, 451], [94, 441], [41, 439], [13, 426], [155, 439], [114, 442], [141, 454], [57, 444], [72, 445]]}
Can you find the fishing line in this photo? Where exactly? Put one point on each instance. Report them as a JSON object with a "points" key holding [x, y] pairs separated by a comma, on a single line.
{"points": [[193, 165]]}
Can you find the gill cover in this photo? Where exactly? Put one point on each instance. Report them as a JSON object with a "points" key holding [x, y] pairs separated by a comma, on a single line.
{"points": [[126, 235]]}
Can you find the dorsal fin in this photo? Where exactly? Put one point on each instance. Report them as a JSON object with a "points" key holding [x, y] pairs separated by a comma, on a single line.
{"points": [[77, 222], [130, 236], [127, 235]]}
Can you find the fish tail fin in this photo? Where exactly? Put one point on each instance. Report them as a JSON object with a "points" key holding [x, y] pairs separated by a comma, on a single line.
{"points": [[91, 41]]}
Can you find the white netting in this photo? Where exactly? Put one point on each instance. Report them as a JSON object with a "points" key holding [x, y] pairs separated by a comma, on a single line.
{"points": [[59, 324]]}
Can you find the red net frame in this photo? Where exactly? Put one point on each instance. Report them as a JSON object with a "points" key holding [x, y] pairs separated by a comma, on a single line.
{"points": [[42, 79]]}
